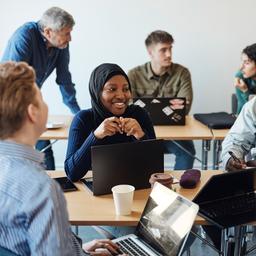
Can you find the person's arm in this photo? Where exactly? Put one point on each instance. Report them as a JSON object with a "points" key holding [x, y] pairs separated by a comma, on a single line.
{"points": [[64, 80], [47, 222], [145, 122], [186, 90], [242, 92], [241, 137], [240, 82], [242, 98], [18, 47], [80, 140], [132, 78]]}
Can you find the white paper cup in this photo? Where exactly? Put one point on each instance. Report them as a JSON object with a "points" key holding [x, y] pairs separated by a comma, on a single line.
{"points": [[123, 197]]}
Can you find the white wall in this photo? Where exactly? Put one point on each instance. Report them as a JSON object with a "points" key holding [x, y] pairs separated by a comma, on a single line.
{"points": [[209, 36]]}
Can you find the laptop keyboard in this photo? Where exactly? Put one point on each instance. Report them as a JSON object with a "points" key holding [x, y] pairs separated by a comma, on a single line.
{"points": [[231, 206], [128, 246]]}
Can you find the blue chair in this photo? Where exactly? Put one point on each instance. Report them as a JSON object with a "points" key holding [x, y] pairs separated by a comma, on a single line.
{"points": [[6, 252]]}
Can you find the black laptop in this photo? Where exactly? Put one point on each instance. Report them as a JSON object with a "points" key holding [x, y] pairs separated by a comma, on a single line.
{"points": [[164, 111], [229, 199], [163, 226], [125, 163]]}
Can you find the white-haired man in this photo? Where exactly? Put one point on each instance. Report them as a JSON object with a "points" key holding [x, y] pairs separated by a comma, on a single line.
{"points": [[44, 45]]}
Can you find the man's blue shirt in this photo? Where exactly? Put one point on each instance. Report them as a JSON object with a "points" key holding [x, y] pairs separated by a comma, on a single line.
{"points": [[33, 215], [28, 44]]}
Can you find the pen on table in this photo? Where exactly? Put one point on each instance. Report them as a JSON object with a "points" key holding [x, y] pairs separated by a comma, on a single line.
{"points": [[235, 158]]}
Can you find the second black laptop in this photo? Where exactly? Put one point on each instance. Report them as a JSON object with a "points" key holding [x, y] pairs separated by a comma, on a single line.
{"points": [[229, 199], [125, 163], [164, 111]]}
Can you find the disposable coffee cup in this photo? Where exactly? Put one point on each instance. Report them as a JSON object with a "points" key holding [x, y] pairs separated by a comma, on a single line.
{"points": [[123, 198], [163, 178]]}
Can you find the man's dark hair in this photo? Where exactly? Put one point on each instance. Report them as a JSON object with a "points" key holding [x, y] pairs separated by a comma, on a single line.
{"points": [[158, 36], [250, 51]]}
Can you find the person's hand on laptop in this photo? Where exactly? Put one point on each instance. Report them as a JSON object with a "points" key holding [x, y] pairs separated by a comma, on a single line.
{"points": [[131, 126], [101, 247], [234, 165], [108, 127]]}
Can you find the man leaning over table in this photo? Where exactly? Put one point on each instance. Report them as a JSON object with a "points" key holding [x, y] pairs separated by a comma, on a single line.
{"points": [[44, 45], [162, 78], [33, 218]]}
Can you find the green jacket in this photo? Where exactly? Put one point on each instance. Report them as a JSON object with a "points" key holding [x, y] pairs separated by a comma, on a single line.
{"points": [[242, 97], [176, 82]]}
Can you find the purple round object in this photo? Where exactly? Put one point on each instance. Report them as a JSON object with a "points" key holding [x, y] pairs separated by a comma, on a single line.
{"points": [[190, 178]]}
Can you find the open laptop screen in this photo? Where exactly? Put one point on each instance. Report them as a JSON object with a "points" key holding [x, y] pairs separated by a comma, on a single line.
{"points": [[166, 220], [229, 184], [229, 199]]}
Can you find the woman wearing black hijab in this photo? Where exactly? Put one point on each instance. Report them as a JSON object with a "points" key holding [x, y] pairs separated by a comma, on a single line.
{"points": [[110, 120]]}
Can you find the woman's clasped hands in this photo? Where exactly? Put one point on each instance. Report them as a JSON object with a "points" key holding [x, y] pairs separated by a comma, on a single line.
{"points": [[112, 125]]}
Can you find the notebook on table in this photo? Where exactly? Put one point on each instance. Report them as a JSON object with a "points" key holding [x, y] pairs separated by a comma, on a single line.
{"points": [[124, 163], [164, 111], [54, 125], [229, 199], [164, 225]]}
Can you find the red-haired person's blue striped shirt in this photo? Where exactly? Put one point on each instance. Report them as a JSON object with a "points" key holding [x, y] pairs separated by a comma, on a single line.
{"points": [[33, 215]]}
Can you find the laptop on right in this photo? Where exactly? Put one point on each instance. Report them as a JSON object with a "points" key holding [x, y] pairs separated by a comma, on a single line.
{"points": [[163, 227], [229, 199], [164, 111]]}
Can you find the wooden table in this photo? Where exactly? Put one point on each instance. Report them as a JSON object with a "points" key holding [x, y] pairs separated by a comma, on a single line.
{"points": [[58, 133], [86, 209], [219, 134], [193, 130]]}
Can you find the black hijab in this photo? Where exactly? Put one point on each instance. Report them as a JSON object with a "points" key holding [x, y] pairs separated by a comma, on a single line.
{"points": [[99, 77]]}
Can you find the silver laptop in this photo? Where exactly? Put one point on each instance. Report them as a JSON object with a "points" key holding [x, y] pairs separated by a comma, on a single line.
{"points": [[164, 111], [164, 225]]}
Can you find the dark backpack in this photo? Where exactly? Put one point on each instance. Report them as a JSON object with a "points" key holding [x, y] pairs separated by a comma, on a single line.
{"points": [[218, 120]]}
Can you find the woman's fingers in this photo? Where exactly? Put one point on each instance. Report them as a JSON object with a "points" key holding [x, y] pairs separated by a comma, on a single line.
{"points": [[113, 125]]}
